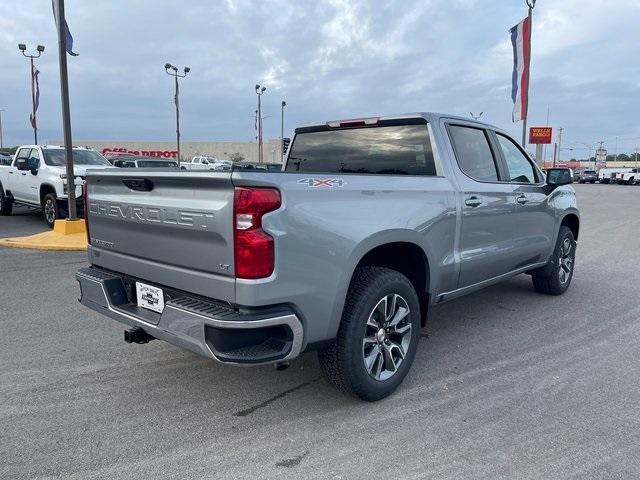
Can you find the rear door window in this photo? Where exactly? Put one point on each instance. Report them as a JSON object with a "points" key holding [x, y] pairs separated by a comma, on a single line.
{"points": [[473, 153], [383, 150]]}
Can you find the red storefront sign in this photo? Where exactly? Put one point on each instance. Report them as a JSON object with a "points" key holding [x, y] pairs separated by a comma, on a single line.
{"points": [[540, 135], [144, 153]]}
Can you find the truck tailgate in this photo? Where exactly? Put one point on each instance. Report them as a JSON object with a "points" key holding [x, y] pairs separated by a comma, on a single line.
{"points": [[165, 227]]}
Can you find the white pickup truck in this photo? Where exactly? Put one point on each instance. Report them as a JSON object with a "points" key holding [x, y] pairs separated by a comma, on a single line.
{"points": [[37, 178], [630, 176], [206, 163]]}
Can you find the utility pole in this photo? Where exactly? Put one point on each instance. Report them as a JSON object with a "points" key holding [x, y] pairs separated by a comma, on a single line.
{"points": [[40, 48], [283, 104], [173, 71], [636, 160], [559, 146], [544, 153], [531, 4], [1, 143], [259, 92]]}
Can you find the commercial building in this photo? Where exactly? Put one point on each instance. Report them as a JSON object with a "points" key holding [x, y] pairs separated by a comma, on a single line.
{"points": [[247, 151]]}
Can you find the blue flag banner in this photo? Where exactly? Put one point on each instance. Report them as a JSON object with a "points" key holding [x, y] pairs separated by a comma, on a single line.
{"points": [[68, 39]]}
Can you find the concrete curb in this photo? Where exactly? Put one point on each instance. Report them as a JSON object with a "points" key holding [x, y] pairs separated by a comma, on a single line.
{"points": [[67, 235]]}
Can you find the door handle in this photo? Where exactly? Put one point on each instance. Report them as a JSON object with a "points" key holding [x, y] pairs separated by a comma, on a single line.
{"points": [[522, 199], [10, 172], [23, 173], [472, 202]]}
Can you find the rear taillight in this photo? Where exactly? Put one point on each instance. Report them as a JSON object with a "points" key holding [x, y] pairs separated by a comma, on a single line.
{"points": [[85, 197], [253, 247]]}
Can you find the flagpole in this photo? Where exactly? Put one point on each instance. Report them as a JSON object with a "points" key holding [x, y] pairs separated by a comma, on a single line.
{"points": [[531, 4], [66, 113]]}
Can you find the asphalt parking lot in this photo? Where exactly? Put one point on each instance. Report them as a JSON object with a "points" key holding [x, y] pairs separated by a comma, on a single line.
{"points": [[507, 383]]}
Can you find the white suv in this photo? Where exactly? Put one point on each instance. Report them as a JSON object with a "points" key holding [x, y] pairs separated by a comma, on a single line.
{"points": [[37, 177]]}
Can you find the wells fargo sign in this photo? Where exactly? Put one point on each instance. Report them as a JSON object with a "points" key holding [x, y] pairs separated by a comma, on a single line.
{"points": [[540, 135], [144, 153]]}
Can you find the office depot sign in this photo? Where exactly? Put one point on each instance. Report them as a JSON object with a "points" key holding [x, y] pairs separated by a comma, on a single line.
{"points": [[540, 135], [144, 153]]}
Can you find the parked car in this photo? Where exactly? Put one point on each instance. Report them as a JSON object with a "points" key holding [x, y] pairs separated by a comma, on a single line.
{"points": [[37, 177], [144, 162], [271, 167], [586, 176], [370, 223], [630, 177], [206, 163], [5, 159]]}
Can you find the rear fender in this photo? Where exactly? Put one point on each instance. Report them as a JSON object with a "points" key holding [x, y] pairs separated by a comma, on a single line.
{"points": [[376, 240]]}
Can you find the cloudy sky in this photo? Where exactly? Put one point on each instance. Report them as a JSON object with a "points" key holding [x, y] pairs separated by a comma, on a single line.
{"points": [[328, 59]]}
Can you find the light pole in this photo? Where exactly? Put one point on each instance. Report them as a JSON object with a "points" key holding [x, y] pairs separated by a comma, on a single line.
{"points": [[1, 143], [282, 105], [40, 48], [173, 71], [259, 91]]}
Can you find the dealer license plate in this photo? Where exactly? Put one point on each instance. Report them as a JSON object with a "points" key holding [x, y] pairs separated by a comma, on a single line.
{"points": [[150, 297]]}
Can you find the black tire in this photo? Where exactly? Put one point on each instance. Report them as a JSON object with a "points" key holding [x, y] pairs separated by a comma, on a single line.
{"points": [[6, 205], [51, 209], [343, 362], [549, 279]]}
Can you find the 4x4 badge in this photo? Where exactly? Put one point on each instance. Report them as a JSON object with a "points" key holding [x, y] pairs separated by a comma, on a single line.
{"points": [[322, 182]]}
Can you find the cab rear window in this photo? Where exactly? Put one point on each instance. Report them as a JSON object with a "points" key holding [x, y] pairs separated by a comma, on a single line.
{"points": [[384, 150]]}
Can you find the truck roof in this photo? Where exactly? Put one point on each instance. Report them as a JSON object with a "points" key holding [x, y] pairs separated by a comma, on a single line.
{"points": [[53, 147], [432, 117]]}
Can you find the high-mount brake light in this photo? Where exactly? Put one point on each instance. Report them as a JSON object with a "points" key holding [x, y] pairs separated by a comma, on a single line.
{"points": [[253, 247], [354, 122]]}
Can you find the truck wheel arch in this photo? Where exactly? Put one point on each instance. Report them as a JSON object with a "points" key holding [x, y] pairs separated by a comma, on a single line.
{"points": [[571, 221], [44, 189], [401, 254]]}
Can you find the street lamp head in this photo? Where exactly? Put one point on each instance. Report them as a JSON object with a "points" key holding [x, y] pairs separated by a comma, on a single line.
{"points": [[257, 87], [167, 66], [284, 104], [263, 89], [174, 68], [22, 47], [186, 70], [40, 48]]}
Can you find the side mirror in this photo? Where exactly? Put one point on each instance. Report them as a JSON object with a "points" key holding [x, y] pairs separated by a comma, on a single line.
{"points": [[559, 176], [34, 171]]}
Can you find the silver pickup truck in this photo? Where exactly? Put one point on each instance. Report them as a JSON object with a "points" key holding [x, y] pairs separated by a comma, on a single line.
{"points": [[370, 222]]}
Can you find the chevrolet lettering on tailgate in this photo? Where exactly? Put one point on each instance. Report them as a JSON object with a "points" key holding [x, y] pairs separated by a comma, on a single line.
{"points": [[198, 220]]}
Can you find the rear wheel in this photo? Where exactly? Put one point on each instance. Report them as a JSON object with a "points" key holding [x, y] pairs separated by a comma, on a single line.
{"points": [[378, 335], [50, 209], [6, 205], [554, 279]]}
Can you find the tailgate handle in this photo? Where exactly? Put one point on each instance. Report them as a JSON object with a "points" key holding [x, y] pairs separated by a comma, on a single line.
{"points": [[138, 184]]}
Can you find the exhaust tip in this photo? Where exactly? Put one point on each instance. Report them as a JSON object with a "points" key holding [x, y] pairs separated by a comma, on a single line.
{"points": [[280, 366]]}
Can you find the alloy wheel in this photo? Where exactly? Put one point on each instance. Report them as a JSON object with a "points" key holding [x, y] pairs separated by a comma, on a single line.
{"points": [[387, 337], [565, 261], [49, 211]]}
